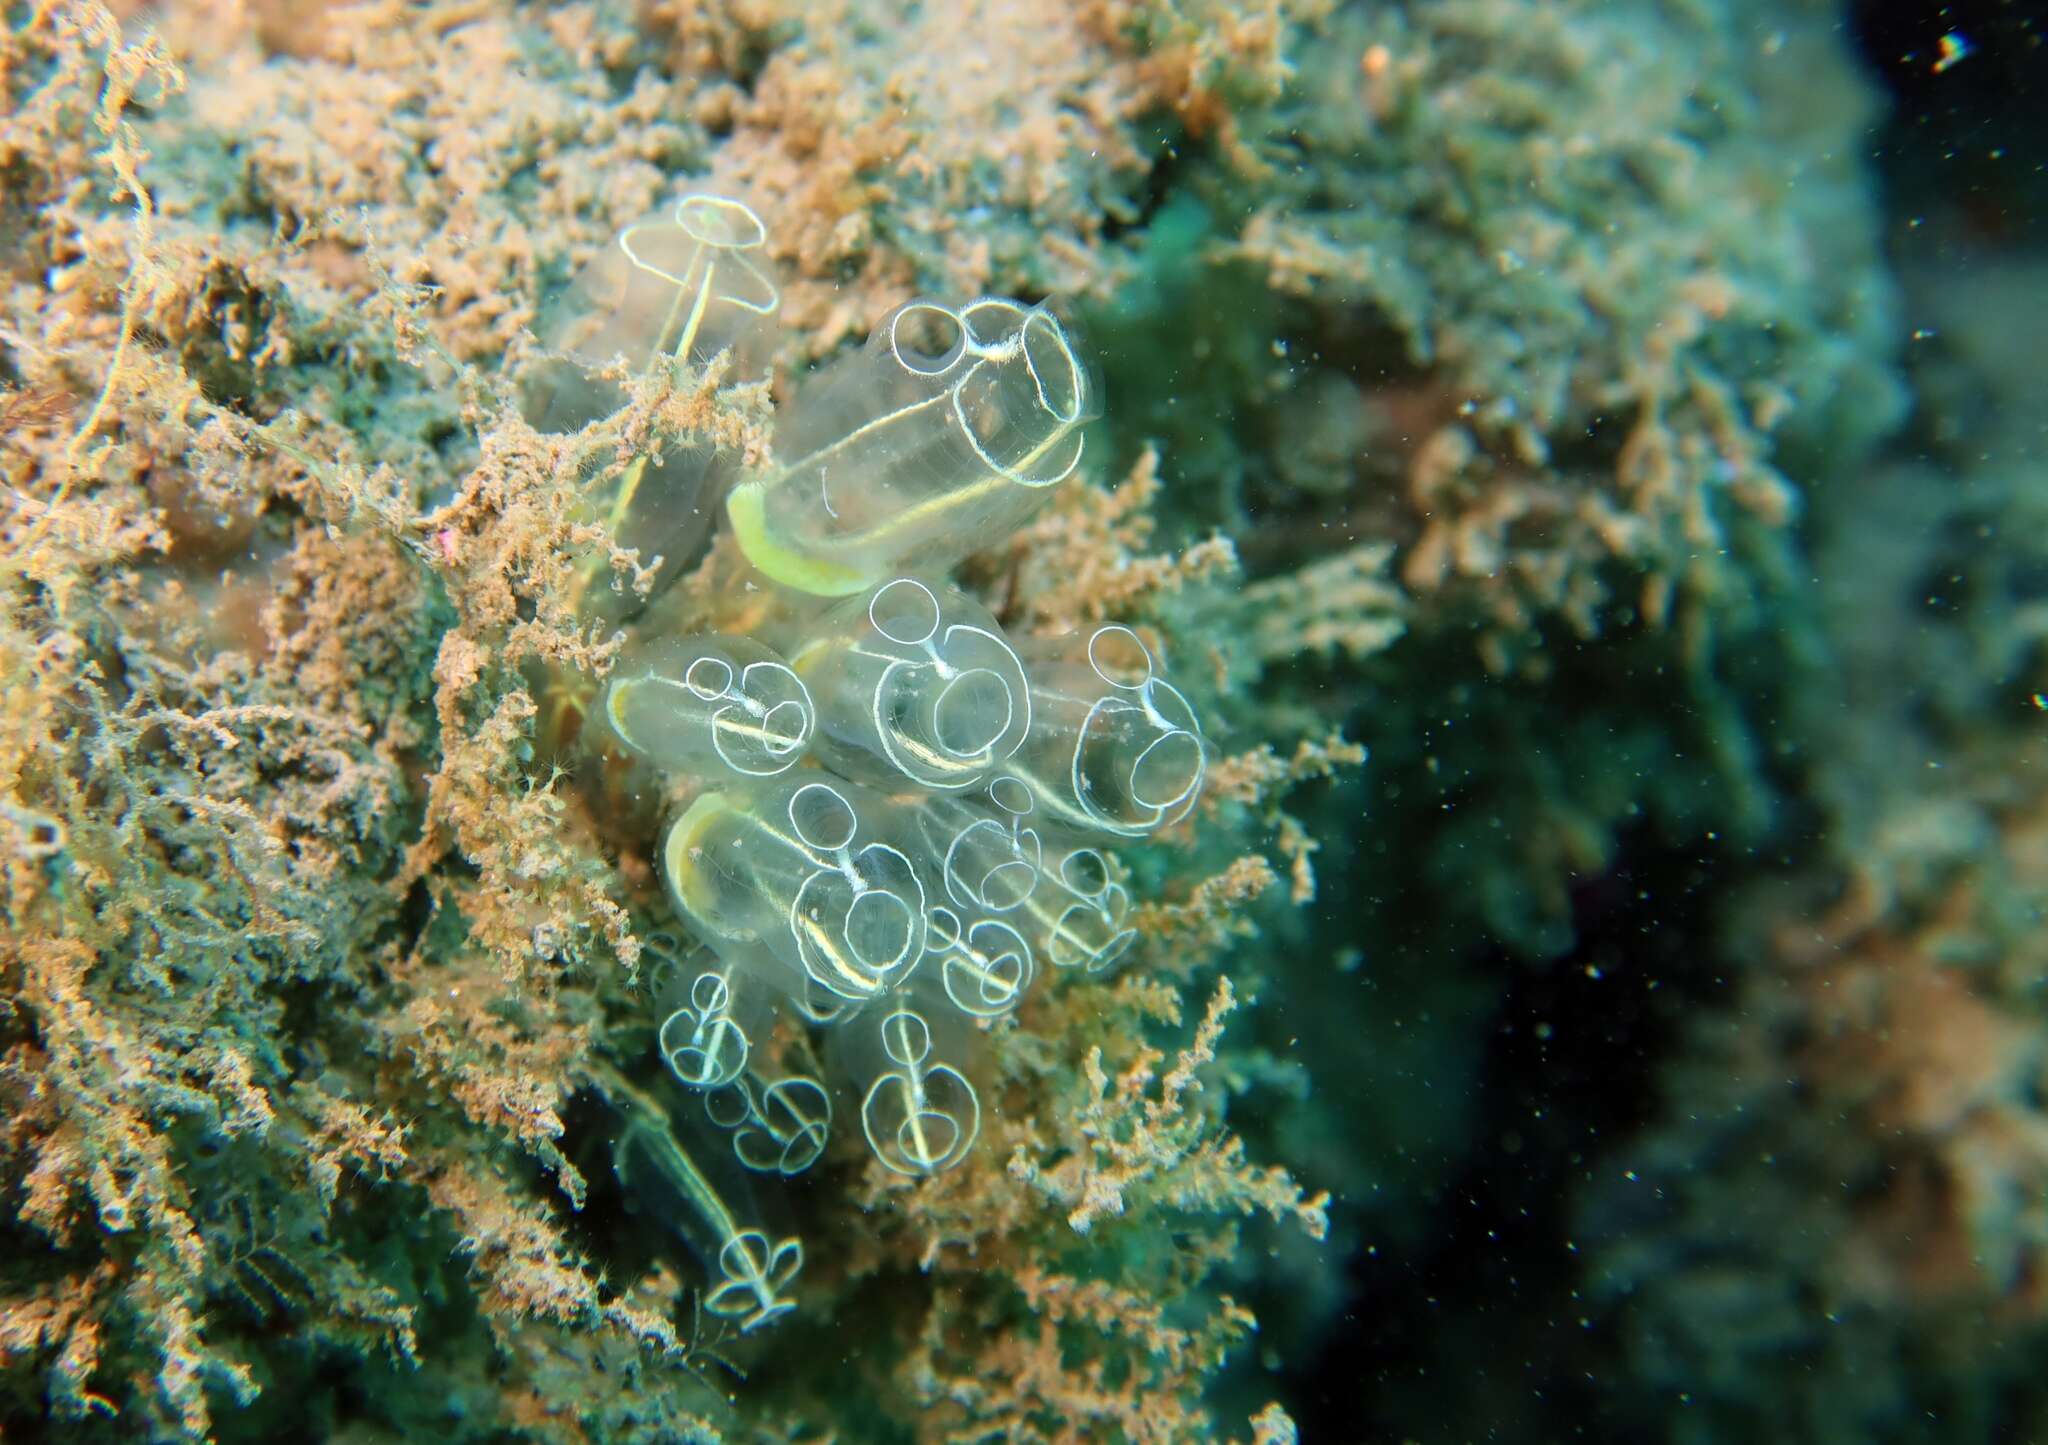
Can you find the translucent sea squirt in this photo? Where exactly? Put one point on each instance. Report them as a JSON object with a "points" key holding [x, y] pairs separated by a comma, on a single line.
{"points": [[680, 288], [944, 433]]}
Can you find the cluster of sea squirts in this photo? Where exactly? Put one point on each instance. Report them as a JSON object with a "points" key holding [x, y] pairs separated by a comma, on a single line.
{"points": [[901, 815]]}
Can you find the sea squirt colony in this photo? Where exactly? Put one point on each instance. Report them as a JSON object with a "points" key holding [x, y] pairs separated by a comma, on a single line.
{"points": [[904, 812]]}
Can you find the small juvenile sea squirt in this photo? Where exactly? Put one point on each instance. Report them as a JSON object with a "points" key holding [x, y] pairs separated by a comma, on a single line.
{"points": [[710, 707]]}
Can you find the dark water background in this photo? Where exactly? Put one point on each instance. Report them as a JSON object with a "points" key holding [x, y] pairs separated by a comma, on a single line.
{"points": [[1485, 1329]]}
